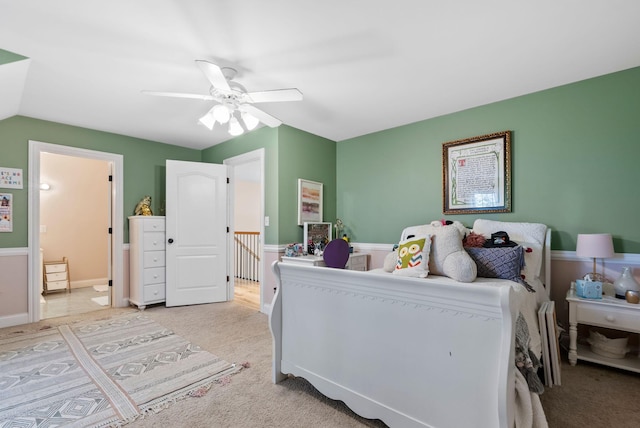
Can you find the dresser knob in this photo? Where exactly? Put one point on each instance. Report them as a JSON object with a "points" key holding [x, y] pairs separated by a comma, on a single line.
{"points": [[610, 318], [155, 276]]}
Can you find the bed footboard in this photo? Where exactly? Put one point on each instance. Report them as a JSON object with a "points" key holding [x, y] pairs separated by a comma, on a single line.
{"points": [[411, 352]]}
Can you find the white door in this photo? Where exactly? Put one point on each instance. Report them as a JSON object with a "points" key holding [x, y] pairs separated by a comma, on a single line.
{"points": [[196, 227]]}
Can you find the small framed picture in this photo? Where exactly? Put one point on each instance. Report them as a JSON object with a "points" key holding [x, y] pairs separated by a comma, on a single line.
{"points": [[309, 201], [6, 212], [318, 234]]}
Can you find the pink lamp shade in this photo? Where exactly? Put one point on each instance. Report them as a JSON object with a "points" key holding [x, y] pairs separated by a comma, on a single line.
{"points": [[595, 245]]}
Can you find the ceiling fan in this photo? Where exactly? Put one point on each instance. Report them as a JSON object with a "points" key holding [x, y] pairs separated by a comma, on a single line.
{"points": [[233, 100]]}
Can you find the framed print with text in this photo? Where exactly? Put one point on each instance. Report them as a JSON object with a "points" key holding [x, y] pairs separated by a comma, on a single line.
{"points": [[476, 174]]}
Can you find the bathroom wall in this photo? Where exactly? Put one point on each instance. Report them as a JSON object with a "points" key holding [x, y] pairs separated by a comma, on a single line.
{"points": [[74, 216]]}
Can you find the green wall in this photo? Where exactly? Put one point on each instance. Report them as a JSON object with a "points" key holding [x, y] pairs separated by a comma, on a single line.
{"points": [[7, 57], [144, 170], [289, 154], [575, 154], [574, 166], [264, 138]]}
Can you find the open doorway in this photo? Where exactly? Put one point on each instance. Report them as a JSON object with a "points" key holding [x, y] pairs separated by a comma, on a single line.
{"points": [[246, 206], [74, 240], [114, 232]]}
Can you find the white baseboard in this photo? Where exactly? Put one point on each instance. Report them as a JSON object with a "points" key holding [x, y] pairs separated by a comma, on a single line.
{"points": [[11, 320]]}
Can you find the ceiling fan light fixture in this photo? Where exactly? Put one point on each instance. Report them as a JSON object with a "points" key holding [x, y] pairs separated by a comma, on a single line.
{"points": [[250, 121], [208, 120], [235, 128], [221, 113]]}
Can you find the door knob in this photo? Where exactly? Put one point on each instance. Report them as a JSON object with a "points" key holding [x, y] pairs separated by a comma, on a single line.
{"points": [[170, 241]]}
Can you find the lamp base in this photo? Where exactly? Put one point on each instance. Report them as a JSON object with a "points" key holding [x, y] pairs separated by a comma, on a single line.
{"points": [[594, 276]]}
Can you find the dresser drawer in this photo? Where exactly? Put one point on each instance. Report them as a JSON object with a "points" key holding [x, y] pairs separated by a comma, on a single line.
{"points": [[59, 276], [154, 276], [154, 225], [604, 317], [153, 293], [358, 262], [52, 268], [153, 241], [154, 259], [57, 285]]}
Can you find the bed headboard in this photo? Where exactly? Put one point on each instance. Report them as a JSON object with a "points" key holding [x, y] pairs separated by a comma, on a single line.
{"points": [[535, 236]]}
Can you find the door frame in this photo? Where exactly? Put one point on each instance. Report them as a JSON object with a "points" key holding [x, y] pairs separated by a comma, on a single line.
{"points": [[117, 242], [252, 156]]}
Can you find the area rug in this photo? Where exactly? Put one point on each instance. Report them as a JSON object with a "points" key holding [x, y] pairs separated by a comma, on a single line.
{"points": [[101, 288], [102, 373]]}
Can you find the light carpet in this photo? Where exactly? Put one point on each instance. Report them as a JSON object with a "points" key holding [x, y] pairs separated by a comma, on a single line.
{"points": [[100, 373], [101, 288]]}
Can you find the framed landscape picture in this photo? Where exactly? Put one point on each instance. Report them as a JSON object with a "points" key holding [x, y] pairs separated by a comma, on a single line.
{"points": [[309, 201]]}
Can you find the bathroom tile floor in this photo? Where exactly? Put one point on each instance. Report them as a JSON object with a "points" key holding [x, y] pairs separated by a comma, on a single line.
{"points": [[78, 301]]}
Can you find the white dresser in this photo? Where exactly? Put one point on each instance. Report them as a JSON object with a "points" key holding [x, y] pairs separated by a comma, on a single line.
{"points": [[146, 260]]}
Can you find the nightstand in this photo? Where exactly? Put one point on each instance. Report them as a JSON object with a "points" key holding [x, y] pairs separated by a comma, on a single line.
{"points": [[357, 261], [607, 312]]}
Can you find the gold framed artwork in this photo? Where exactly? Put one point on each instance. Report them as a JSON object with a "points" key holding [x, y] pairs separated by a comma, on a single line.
{"points": [[309, 201], [476, 174]]}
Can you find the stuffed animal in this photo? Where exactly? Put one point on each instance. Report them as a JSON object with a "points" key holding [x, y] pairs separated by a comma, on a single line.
{"points": [[447, 256]]}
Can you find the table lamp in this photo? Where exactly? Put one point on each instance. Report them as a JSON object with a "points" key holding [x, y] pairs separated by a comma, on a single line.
{"points": [[595, 245]]}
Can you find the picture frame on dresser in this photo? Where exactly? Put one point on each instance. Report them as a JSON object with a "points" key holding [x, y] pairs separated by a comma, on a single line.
{"points": [[476, 174], [316, 233]]}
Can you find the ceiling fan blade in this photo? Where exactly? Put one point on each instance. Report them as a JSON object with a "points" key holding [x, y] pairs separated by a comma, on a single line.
{"points": [[263, 117], [214, 74], [276, 95], [180, 95]]}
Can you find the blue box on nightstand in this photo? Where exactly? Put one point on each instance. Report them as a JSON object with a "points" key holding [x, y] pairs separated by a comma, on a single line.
{"points": [[589, 289]]}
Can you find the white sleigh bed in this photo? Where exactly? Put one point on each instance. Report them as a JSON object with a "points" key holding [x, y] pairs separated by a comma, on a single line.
{"points": [[412, 352]]}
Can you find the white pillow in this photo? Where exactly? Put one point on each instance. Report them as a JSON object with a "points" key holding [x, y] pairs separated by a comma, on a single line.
{"points": [[529, 235]]}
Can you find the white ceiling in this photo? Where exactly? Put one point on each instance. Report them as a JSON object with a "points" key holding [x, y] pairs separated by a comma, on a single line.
{"points": [[362, 65]]}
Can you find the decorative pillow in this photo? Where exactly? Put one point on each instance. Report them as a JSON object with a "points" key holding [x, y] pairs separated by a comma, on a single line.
{"points": [[500, 262], [530, 235], [413, 257], [447, 257]]}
